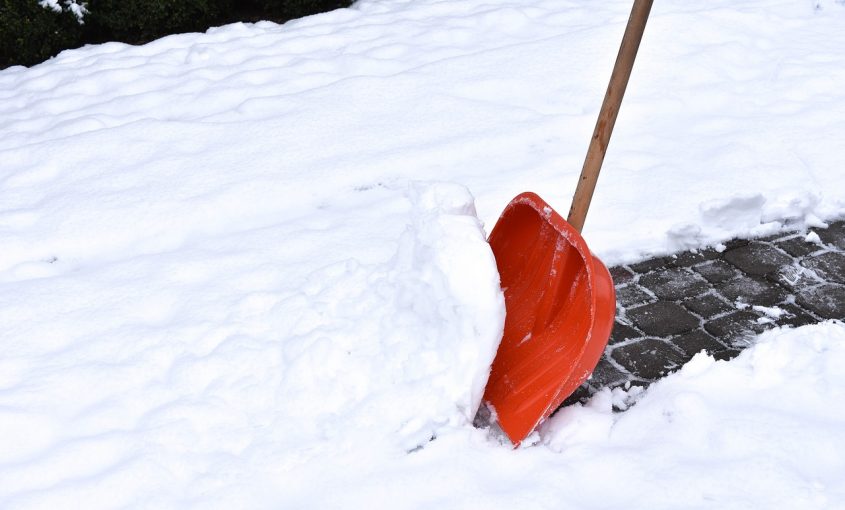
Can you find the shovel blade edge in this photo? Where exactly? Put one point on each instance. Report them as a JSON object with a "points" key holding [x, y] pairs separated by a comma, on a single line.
{"points": [[560, 307]]}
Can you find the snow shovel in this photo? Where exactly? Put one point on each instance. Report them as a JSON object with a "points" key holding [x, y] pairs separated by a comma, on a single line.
{"points": [[559, 298]]}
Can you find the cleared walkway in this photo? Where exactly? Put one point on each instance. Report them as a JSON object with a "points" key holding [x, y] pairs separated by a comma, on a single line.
{"points": [[670, 308]]}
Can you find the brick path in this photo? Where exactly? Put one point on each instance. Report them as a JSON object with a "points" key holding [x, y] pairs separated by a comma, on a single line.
{"points": [[670, 308]]}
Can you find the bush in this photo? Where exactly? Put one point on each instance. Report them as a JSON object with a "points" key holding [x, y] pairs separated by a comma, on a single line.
{"points": [[291, 9], [138, 22], [30, 33]]}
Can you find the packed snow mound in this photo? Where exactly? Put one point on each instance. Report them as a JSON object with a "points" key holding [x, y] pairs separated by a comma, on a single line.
{"points": [[402, 349], [764, 430], [728, 127], [131, 378], [219, 290]]}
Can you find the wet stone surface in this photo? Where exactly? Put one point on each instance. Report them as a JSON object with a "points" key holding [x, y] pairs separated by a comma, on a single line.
{"points": [[670, 308], [708, 305], [752, 290], [826, 300], [717, 271], [673, 284], [651, 358], [757, 258], [829, 266], [663, 318]]}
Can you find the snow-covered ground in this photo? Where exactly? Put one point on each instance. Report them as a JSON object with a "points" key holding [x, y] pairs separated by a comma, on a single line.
{"points": [[247, 269]]}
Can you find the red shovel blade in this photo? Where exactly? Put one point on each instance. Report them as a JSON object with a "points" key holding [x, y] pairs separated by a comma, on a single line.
{"points": [[560, 304]]}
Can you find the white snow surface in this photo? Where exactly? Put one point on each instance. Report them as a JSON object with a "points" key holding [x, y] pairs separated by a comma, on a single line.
{"points": [[247, 268]]}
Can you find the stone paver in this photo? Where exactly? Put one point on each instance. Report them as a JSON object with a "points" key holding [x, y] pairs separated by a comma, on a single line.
{"points": [[674, 284], [796, 246], [708, 305], [622, 332], [632, 295], [753, 290], [697, 341], [670, 308], [663, 318], [826, 300], [834, 235], [735, 325], [828, 266], [650, 358], [757, 258], [717, 271]]}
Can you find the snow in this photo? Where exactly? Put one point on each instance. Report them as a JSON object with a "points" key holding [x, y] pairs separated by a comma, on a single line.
{"points": [[247, 268], [771, 313], [762, 431], [78, 10]]}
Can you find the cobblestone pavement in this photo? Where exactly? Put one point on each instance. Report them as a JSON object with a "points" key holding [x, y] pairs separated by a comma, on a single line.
{"points": [[670, 308]]}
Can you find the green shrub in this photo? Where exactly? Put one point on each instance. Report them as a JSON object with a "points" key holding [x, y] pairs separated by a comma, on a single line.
{"points": [[291, 9], [137, 22], [30, 34]]}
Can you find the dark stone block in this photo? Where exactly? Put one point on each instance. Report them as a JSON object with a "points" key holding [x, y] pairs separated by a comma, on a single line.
{"points": [[581, 395], [674, 284], [826, 300], [727, 354], [606, 374], [834, 235], [716, 271], [829, 266], [773, 237], [651, 264], [795, 316], [663, 318], [757, 258], [649, 358], [753, 290], [797, 246], [795, 277], [691, 258], [735, 243], [622, 332], [734, 326], [620, 275], [695, 310], [631, 295], [708, 305], [697, 341]]}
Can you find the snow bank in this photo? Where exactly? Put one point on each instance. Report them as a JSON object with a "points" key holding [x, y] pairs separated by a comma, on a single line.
{"points": [[174, 378], [729, 127], [765, 430], [218, 287], [397, 351]]}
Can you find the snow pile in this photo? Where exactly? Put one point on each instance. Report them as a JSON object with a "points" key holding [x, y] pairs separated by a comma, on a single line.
{"points": [[765, 430], [132, 378], [220, 288], [727, 128], [394, 352]]}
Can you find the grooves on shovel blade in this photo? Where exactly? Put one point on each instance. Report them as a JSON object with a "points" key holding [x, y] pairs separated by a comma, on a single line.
{"points": [[560, 307]]}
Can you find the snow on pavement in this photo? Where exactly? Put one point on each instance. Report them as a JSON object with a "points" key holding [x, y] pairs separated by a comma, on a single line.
{"points": [[764, 430], [246, 269]]}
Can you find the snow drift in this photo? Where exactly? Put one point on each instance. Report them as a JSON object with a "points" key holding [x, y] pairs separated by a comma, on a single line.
{"points": [[220, 288]]}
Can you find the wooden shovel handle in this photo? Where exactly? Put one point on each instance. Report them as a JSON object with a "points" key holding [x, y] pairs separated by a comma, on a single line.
{"points": [[607, 115]]}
